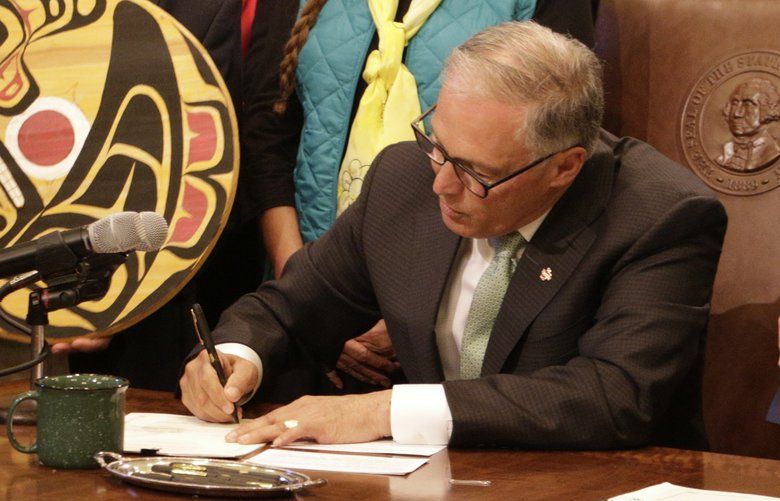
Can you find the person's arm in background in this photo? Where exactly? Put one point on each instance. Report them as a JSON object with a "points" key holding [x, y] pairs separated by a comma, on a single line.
{"points": [[281, 235], [270, 141]]}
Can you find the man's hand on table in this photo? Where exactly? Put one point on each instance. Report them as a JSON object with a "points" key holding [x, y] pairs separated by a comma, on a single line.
{"points": [[201, 392], [328, 420], [369, 358]]}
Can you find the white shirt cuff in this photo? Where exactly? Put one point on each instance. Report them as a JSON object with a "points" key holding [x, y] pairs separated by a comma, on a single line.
{"points": [[247, 353], [419, 414]]}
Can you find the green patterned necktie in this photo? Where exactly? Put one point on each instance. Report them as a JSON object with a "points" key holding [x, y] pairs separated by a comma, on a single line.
{"points": [[488, 296]]}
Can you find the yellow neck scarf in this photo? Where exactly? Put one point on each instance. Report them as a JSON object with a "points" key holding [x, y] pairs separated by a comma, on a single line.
{"points": [[390, 101]]}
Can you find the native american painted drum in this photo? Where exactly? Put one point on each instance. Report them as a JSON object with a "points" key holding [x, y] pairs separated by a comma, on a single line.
{"points": [[110, 106]]}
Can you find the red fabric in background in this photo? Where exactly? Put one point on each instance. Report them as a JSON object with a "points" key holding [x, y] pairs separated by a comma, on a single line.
{"points": [[247, 15]]}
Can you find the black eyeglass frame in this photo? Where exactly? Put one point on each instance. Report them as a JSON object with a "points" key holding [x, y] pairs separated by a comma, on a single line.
{"points": [[421, 137]]}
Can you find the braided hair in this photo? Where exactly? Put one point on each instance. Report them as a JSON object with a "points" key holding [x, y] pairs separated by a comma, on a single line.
{"points": [[298, 36]]}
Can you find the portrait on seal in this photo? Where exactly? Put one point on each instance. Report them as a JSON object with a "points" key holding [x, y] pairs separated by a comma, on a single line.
{"points": [[730, 124], [110, 106], [752, 107]]}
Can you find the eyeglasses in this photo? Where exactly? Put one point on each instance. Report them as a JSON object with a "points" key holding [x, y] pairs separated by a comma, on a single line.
{"points": [[467, 176]]}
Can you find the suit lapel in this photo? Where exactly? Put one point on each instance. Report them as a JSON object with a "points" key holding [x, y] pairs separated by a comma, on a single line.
{"points": [[551, 257], [433, 252]]}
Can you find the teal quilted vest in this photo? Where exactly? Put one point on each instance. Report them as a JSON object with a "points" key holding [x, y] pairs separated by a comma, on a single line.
{"points": [[329, 66]]}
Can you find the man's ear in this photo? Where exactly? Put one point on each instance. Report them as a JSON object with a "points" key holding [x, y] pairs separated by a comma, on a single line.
{"points": [[567, 165]]}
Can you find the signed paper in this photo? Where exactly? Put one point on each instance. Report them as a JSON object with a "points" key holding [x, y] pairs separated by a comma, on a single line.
{"points": [[175, 435]]}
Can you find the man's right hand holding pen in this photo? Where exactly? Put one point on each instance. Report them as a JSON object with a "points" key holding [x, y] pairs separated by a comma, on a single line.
{"points": [[205, 397], [214, 382], [326, 419]]}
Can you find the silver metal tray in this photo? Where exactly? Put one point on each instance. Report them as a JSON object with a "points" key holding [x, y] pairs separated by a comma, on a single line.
{"points": [[212, 477]]}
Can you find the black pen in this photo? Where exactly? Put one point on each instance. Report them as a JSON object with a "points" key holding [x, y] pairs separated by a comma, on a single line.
{"points": [[204, 334]]}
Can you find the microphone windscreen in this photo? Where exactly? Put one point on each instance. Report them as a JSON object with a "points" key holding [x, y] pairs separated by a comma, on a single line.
{"points": [[126, 231], [153, 231]]}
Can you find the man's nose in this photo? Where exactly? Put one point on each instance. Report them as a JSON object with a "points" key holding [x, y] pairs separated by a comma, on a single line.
{"points": [[739, 110], [446, 181]]}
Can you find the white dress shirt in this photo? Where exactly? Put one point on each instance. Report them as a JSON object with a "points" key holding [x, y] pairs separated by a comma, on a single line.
{"points": [[247, 353], [419, 413]]}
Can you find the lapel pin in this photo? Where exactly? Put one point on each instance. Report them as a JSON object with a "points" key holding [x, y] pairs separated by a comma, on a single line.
{"points": [[546, 274]]}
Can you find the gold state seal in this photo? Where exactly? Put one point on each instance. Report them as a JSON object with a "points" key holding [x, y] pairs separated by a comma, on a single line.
{"points": [[730, 128]]}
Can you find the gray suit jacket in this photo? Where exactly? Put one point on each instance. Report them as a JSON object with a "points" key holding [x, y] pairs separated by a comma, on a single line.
{"points": [[602, 355]]}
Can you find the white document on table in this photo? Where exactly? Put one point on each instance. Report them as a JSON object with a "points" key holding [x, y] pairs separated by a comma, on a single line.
{"points": [[175, 435], [671, 492], [376, 447], [346, 463]]}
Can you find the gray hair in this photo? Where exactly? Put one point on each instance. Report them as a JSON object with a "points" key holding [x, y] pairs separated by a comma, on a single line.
{"points": [[555, 76]]}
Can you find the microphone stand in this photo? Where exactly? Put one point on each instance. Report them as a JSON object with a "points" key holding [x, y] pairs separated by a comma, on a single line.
{"points": [[89, 281]]}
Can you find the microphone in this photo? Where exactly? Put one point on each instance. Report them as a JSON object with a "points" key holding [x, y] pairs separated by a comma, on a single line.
{"points": [[61, 250], [126, 231]]}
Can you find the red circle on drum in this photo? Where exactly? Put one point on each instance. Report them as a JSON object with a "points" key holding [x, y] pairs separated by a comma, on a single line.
{"points": [[46, 138]]}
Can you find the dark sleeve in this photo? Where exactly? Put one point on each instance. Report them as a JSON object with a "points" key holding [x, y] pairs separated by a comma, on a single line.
{"points": [[269, 142], [324, 298], [223, 42], [574, 17]]}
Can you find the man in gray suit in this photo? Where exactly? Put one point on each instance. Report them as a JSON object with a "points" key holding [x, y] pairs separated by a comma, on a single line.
{"points": [[544, 283]]}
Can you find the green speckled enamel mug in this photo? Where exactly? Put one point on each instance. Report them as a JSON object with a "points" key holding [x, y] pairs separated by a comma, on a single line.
{"points": [[78, 415]]}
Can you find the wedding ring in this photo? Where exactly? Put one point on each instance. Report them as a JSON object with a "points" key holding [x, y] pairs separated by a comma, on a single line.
{"points": [[289, 424]]}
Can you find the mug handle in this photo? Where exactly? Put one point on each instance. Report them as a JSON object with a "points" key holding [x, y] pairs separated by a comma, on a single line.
{"points": [[9, 425]]}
